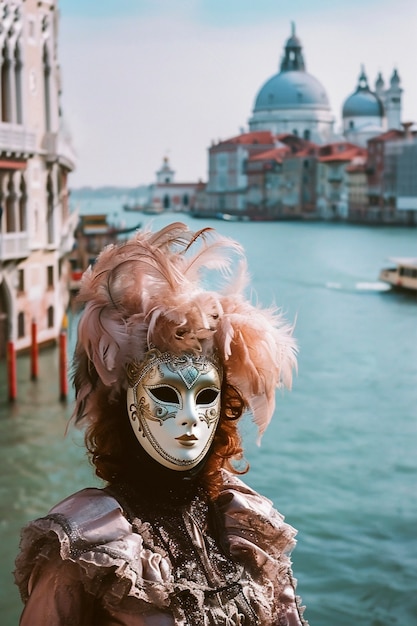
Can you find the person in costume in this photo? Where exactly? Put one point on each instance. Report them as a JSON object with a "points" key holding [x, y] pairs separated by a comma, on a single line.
{"points": [[169, 355]]}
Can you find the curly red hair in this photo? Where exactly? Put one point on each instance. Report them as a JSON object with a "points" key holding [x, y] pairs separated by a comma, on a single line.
{"points": [[107, 433]]}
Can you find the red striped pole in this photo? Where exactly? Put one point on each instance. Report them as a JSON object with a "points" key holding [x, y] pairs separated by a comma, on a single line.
{"points": [[11, 371], [34, 352], [63, 379]]}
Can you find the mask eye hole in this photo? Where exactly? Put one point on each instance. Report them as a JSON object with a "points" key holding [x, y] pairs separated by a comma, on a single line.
{"points": [[165, 394], [207, 396]]}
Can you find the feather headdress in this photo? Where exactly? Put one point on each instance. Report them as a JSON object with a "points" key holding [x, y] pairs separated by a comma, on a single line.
{"points": [[156, 291]]}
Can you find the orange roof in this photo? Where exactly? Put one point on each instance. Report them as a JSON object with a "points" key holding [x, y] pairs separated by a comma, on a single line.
{"points": [[259, 137], [389, 135], [346, 155], [276, 154]]}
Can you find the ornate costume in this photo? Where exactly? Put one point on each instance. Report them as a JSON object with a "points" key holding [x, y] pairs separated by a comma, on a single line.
{"points": [[163, 368], [141, 561]]}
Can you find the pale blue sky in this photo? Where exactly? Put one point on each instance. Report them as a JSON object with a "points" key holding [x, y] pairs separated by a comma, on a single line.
{"points": [[147, 78]]}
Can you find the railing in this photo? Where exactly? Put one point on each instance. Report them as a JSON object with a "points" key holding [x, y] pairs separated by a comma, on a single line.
{"points": [[16, 138], [14, 246]]}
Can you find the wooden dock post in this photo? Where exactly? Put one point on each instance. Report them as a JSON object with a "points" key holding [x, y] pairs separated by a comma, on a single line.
{"points": [[63, 378], [34, 352], [11, 371]]}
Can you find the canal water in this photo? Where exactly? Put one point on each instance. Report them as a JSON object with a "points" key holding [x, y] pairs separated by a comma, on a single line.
{"points": [[339, 458]]}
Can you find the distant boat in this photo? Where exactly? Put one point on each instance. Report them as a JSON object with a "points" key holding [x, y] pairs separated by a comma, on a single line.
{"points": [[132, 207], [232, 217], [403, 275], [92, 234]]}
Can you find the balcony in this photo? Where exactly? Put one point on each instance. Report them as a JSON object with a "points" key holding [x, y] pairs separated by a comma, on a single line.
{"points": [[16, 139], [57, 147], [14, 246]]}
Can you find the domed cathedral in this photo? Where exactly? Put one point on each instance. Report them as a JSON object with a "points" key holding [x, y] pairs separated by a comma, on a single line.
{"points": [[367, 113], [293, 101]]}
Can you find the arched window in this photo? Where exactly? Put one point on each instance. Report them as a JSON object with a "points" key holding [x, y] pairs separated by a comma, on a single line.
{"points": [[5, 85], [47, 88], [185, 200], [50, 208], [167, 202], [22, 206], [307, 134], [18, 84], [10, 207], [21, 325], [295, 132], [50, 316]]}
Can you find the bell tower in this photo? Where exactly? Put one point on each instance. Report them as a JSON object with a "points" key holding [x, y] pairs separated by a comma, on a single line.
{"points": [[393, 102]]}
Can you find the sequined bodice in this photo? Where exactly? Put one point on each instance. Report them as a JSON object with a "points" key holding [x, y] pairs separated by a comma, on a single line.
{"points": [[208, 584]]}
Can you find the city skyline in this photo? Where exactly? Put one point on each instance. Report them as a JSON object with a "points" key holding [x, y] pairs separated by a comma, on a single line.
{"points": [[156, 79]]}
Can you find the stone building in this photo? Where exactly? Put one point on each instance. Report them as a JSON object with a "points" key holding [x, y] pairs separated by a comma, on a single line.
{"points": [[36, 230], [168, 195]]}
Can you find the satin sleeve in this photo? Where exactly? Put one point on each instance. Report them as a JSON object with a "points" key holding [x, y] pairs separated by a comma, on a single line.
{"points": [[57, 598]]}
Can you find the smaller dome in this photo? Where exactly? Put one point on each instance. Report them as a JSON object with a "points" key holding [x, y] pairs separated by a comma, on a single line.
{"points": [[363, 102]]}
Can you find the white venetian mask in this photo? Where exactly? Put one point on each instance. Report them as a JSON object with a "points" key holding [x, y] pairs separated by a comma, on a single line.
{"points": [[174, 407]]}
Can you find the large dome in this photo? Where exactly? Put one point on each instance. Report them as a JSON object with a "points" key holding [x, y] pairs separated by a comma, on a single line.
{"points": [[289, 90]]}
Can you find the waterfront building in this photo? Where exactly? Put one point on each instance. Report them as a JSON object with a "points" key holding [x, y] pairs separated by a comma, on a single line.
{"points": [[391, 171], [36, 230], [293, 101], [332, 178], [261, 175], [357, 189], [227, 180], [168, 195]]}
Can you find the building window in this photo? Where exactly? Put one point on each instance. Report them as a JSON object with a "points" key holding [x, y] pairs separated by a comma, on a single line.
{"points": [[351, 124], [10, 207], [20, 280], [185, 200], [22, 205], [307, 134], [50, 276], [47, 88], [21, 325], [5, 85], [295, 132], [50, 208], [18, 65], [166, 202], [50, 317]]}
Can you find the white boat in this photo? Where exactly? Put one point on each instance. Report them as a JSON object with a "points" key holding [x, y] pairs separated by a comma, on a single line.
{"points": [[403, 275]]}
